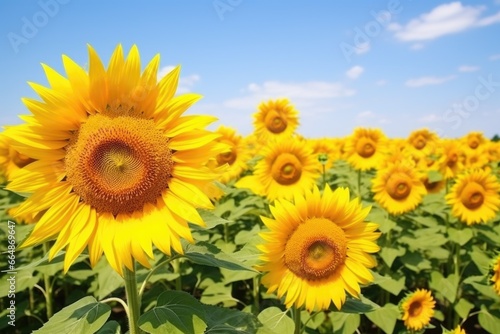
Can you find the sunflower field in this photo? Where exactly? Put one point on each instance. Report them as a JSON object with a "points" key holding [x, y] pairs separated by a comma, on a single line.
{"points": [[122, 213]]}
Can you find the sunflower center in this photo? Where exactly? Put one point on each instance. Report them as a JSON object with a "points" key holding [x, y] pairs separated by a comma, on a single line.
{"points": [[226, 158], [118, 164], [316, 249], [419, 143], [286, 169], [365, 147], [398, 186], [274, 122], [472, 195], [473, 143], [452, 160], [415, 309]]}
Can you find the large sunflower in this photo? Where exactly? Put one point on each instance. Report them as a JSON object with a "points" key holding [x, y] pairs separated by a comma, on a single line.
{"points": [[398, 188], [275, 118], [118, 168], [288, 167], [235, 156], [318, 248], [418, 309], [474, 197], [495, 278], [365, 148]]}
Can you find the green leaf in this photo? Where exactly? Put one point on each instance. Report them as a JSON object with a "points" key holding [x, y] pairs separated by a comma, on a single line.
{"points": [[385, 317], [389, 254], [274, 321], [227, 321], [460, 237], [390, 284], [415, 262], [108, 279], [207, 254], [312, 320], [463, 308], [176, 312], [434, 176], [344, 323], [218, 293], [481, 260], [489, 320], [84, 316], [211, 220], [111, 327], [24, 279], [446, 286], [361, 306]]}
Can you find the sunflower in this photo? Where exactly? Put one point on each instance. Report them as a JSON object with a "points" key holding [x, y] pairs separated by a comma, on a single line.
{"points": [[398, 188], [457, 330], [474, 197], [275, 118], [317, 249], [288, 167], [325, 149], [451, 159], [474, 140], [495, 278], [365, 148], [10, 159], [477, 158], [423, 141], [235, 157], [417, 309], [118, 168]]}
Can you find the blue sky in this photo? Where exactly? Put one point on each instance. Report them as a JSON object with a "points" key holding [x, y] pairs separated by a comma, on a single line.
{"points": [[398, 65]]}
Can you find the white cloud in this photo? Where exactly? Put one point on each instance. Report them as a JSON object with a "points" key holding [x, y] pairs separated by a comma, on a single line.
{"points": [[354, 72], [428, 80], [306, 94], [431, 118], [495, 57], [367, 114], [186, 83], [467, 68], [443, 20]]}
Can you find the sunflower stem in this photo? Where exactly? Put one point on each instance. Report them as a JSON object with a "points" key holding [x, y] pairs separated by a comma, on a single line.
{"points": [[296, 319], [146, 280], [176, 265], [359, 183], [256, 294], [132, 301], [48, 287]]}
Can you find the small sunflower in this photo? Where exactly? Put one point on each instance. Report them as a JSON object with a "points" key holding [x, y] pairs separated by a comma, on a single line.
{"points": [[118, 168], [288, 167], [325, 148], [423, 141], [451, 158], [474, 197], [474, 140], [365, 148], [477, 158], [235, 157], [317, 249], [398, 188], [10, 159], [495, 277], [275, 118], [417, 309]]}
